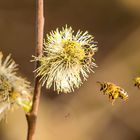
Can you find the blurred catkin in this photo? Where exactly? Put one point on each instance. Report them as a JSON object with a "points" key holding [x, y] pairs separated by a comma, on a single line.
{"points": [[15, 91]]}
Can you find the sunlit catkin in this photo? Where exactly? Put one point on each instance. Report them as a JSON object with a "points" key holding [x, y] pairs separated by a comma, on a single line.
{"points": [[67, 59]]}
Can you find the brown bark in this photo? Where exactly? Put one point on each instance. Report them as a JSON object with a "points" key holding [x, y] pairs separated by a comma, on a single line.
{"points": [[32, 116]]}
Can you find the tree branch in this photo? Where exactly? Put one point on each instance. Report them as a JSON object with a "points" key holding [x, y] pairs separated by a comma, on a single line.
{"points": [[32, 116]]}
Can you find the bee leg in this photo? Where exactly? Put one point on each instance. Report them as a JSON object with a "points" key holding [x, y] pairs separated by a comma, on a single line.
{"points": [[113, 102]]}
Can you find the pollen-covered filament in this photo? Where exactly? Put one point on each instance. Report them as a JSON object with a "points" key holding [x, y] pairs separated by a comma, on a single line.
{"points": [[73, 50]]}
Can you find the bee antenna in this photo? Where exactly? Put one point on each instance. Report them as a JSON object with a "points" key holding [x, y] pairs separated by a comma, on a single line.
{"points": [[99, 82]]}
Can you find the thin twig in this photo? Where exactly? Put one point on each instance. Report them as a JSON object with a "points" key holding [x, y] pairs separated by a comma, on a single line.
{"points": [[32, 116]]}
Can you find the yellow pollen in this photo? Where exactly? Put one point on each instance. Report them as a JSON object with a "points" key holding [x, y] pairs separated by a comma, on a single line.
{"points": [[73, 50], [14, 95]]}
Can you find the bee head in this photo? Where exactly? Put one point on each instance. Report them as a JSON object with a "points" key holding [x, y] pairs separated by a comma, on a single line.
{"points": [[101, 84]]}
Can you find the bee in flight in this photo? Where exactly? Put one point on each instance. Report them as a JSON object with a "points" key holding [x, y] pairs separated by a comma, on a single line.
{"points": [[137, 82], [113, 91]]}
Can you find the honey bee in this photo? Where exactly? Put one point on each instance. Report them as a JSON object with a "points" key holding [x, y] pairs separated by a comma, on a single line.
{"points": [[137, 82], [113, 91]]}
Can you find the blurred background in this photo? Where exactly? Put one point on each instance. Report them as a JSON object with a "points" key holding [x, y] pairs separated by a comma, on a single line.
{"points": [[85, 114]]}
